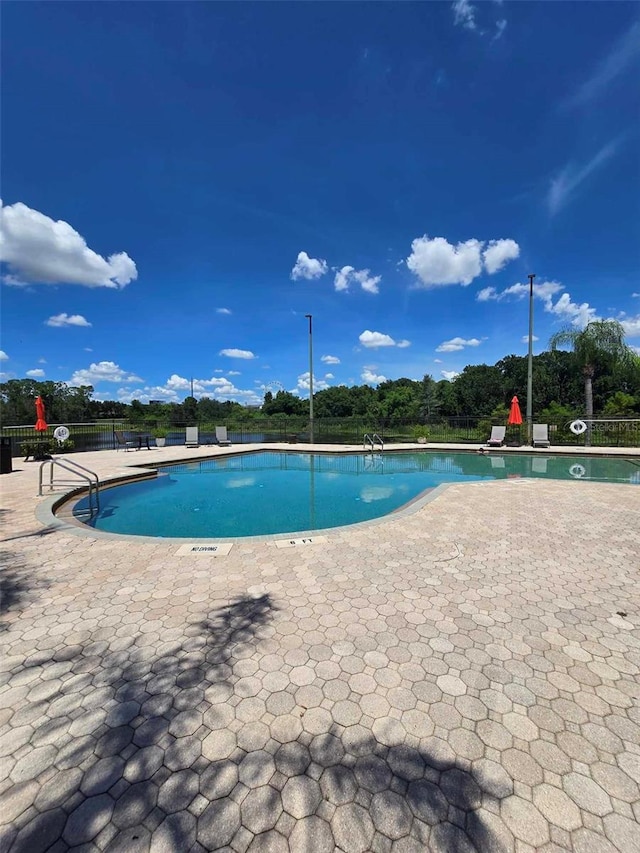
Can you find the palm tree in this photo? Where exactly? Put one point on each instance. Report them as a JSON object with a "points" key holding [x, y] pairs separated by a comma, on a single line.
{"points": [[600, 341]]}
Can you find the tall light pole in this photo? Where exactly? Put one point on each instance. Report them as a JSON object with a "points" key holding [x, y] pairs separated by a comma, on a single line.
{"points": [[530, 364], [310, 318]]}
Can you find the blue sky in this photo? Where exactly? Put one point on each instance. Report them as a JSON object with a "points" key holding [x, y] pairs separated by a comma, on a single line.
{"points": [[183, 182]]}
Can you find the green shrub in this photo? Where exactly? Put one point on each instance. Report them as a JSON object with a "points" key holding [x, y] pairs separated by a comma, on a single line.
{"points": [[558, 417], [620, 405], [500, 414], [484, 427], [47, 446]]}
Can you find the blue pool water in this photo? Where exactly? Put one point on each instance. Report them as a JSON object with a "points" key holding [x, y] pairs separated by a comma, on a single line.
{"points": [[279, 492]]}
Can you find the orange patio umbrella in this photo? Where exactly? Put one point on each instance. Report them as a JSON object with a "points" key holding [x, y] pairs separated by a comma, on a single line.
{"points": [[41, 424], [515, 415]]}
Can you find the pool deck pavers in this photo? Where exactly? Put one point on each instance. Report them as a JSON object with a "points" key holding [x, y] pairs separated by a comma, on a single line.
{"points": [[462, 678]]}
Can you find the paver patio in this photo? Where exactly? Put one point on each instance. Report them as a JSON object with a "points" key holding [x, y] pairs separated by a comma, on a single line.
{"points": [[459, 679]]}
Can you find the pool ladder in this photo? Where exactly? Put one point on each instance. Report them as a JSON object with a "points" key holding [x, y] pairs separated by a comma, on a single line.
{"points": [[78, 471], [372, 440]]}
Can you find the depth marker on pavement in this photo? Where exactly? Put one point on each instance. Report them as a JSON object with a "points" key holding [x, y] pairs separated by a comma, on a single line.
{"points": [[201, 549], [295, 543]]}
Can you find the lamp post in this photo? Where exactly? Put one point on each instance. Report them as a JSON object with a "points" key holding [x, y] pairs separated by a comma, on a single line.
{"points": [[310, 319], [530, 364]]}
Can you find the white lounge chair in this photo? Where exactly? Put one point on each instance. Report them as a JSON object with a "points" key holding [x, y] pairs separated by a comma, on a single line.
{"points": [[541, 435], [496, 438], [221, 436], [191, 437]]}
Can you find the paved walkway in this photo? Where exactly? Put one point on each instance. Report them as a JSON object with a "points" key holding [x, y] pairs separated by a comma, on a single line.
{"points": [[465, 678]]}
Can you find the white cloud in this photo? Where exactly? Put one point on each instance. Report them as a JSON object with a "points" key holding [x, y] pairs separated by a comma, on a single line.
{"points": [[330, 359], [367, 282], [578, 314], [369, 376], [464, 14], [486, 294], [37, 373], [181, 383], [223, 311], [42, 361], [237, 353], [501, 26], [102, 371], [88, 349], [544, 290], [329, 376], [564, 185], [436, 262], [341, 280], [437, 360], [631, 326], [127, 395], [403, 344], [59, 321], [309, 268], [3, 355], [39, 250], [233, 373], [449, 374], [304, 383], [177, 387], [635, 295], [498, 253], [456, 344], [525, 338], [621, 57], [373, 340], [348, 275]]}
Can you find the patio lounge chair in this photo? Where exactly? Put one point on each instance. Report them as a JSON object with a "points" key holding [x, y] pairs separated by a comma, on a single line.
{"points": [[221, 436], [126, 443], [541, 435], [497, 436], [191, 437]]}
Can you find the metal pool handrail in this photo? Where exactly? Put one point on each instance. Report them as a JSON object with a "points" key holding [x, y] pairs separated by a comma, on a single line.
{"points": [[76, 469]]}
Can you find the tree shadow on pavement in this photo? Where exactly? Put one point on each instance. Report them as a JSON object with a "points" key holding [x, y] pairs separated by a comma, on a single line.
{"points": [[346, 790], [138, 746], [19, 582]]}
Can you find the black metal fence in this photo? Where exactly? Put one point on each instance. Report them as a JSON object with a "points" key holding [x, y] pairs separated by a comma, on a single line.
{"points": [[101, 435]]}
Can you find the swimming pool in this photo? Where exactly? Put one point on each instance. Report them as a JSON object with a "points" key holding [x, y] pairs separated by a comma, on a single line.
{"points": [[283, 492]]}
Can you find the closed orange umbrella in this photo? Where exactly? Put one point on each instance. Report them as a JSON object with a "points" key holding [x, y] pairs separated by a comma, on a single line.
{"points": [[41, 424], [515, 415]]}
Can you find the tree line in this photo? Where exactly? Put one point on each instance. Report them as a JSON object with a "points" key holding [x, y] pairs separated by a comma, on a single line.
{"points": [[599, 375]]}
